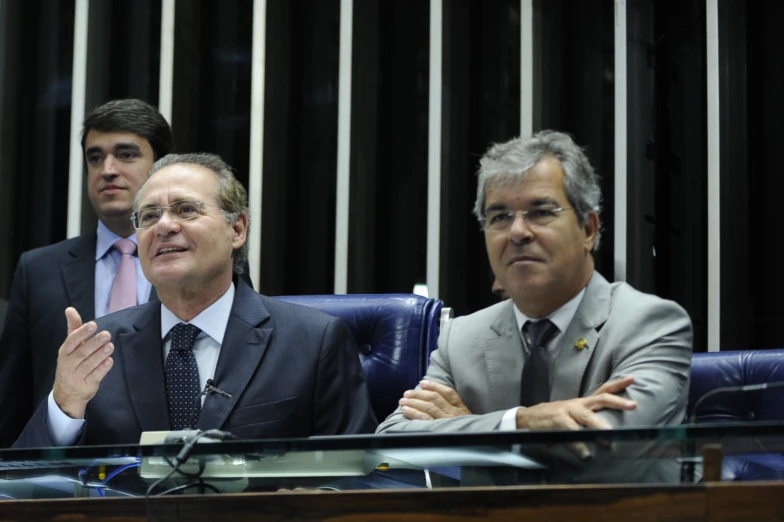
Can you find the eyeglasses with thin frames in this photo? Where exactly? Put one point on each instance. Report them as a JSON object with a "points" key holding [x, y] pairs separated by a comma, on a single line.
{"points": [[179, 211], [502, 220]]}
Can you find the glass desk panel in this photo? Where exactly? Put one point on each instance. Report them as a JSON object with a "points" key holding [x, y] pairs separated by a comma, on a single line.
{"points": [[678, 455]]}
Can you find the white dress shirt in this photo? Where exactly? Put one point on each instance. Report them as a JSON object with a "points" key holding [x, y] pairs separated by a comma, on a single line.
{"points": [[212, 322], [107, 260], [560, 318]]}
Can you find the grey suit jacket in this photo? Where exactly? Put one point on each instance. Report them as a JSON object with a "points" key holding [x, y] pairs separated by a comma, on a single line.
{"points": [[626, 331]]}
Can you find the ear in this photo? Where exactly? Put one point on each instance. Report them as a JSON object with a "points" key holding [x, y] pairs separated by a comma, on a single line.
{"points": [[240, 227], [590, 229]]}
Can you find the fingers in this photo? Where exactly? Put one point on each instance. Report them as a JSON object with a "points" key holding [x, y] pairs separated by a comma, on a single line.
{"points": [[448, 394], [608, 400], [437, 402], [426, 407], [586, 417], [423, 405], [428, 401], [83, 361], [73, 319], [97, 365], [616, 386], [548, 416], [564, 415], [78, 337], [425, 395], [90, 347], [415, 414]]}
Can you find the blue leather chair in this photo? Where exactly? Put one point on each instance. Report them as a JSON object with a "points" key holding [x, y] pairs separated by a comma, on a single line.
{"points": [[395, 334], [710, 371]]}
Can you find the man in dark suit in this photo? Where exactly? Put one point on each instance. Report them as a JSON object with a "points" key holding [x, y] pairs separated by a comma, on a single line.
{"points": [[269, 369], [120, 139]]}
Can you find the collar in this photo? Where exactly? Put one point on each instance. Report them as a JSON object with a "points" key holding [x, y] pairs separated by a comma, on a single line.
{"points": [[107, 238], [560, 318], [212, 321]]}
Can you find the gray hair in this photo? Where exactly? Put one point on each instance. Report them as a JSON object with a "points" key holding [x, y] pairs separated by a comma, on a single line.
{"points": [[509, 162], [230, 194]]}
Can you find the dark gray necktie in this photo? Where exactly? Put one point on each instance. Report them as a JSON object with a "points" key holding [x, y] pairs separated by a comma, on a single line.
{"points": [[182, 378], [535, 385]]}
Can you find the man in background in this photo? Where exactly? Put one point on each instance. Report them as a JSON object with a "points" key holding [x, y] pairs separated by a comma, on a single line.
{"points": [[96, 273]]}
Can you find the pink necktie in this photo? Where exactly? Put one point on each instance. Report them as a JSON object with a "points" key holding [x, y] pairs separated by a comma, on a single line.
{"points": [[124, 286]]}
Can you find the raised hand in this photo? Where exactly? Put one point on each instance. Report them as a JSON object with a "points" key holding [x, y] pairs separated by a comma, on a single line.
{"points": [[83, 361]]}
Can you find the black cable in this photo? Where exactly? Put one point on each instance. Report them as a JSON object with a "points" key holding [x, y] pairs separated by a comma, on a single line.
{"points": [[149, 490], [200, 482], [185, 474], [182, 458], [726, 389]]}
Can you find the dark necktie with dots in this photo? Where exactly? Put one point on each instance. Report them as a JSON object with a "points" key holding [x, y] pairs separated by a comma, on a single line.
{"points": [[535, 385], [182, 378]]}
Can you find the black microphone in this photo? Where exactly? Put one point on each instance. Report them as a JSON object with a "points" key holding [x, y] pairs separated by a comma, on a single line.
{"points": [[210, 387], [727, 389]]}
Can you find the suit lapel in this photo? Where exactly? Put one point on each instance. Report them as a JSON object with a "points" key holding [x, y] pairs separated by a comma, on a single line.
{"points": [[79, 276], [504, 359], [142, 359], [243, 348], [584, 329]]}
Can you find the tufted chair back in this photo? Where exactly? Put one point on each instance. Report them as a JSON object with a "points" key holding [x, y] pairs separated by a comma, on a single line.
{"points": [[720, 369], [710, 371], [395, 334]]}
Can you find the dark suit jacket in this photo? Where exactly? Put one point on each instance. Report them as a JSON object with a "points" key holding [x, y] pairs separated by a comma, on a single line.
{"points": [[292, 371], [3, 308], [46, 282]]}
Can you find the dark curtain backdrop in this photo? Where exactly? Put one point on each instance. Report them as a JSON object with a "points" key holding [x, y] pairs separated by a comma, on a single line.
{"points": [[124, 44], [667, 169], [574, 88], [300, 147], [36, 48]]}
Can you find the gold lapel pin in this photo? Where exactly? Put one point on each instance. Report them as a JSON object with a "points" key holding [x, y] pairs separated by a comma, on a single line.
{"points": [[580, 343]]}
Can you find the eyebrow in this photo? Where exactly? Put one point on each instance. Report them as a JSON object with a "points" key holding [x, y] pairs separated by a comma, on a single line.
{"points": [[148, 205], [540, 202], [127, 146], [181, 200], [119, 147]]}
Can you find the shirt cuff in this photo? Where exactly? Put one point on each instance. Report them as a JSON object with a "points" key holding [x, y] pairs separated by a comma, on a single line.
{"points": [[63, 430], [509, 420]]}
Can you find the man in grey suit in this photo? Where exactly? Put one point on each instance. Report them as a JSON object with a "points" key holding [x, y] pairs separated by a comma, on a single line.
{"points": [[267, 368], [568, 350]]}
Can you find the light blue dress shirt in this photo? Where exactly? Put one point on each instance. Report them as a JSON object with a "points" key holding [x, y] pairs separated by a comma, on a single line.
{"points": [[212, 322], [107, 260]]}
